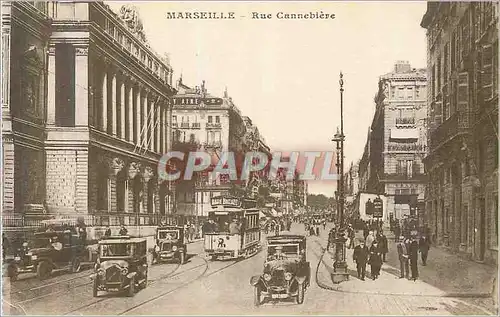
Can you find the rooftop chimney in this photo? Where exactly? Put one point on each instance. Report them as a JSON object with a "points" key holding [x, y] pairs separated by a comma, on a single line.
{"points": [[402, 67]]}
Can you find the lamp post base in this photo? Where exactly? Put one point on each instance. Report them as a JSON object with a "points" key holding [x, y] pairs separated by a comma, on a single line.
{"points": [[340, 273]]}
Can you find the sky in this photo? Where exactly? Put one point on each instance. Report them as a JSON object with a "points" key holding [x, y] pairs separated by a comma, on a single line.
{"points": [[284, 74]]}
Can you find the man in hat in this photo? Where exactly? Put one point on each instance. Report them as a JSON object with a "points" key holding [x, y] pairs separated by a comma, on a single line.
{"points": [[403, 258], [360, 256], [234, 228]]}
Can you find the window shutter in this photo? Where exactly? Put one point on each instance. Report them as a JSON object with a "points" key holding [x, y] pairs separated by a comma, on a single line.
{"points": [[438, 113], [487, 72]]}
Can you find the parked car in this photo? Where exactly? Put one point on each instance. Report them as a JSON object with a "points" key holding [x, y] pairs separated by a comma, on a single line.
{"points": [[49, 250], [121, 265], [170, 244], [286, 271]]}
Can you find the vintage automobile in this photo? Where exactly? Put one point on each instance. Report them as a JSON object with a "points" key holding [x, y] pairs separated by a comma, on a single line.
{"points": [[286, 271], [170, 244], [121, 265], [49, 250]]}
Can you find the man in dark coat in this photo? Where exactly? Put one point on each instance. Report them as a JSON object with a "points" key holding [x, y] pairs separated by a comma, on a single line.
{"points": [[403, 258], [360, 256], [383, 245], [375, 260], [424, 245], [414, 259], [107, 233]]}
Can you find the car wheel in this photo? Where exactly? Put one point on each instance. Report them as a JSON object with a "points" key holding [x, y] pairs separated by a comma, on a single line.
{"points": [[94, 290], [256, 293], [182, 258], [76, 265], [214, 258], [131, 288], [300, 295], [44, 269]]}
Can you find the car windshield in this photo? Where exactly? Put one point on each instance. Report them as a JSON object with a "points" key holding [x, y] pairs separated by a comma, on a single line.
{"points": [[116, 249], [168, 234], [41, 242], [283, 250]]}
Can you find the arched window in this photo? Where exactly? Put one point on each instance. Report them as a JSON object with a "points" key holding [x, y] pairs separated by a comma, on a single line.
{"points": [[121, 189], [137, 193], [102, 189]]}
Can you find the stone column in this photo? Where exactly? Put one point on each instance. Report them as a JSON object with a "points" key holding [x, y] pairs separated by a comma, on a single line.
{"points": [[144, 126], [122, 107], [158, 127], [146, 176], [113, 104], [51, 86], [104, 95], [162, 130], [138, 107], [130, 112], [151, 126], [116, 165], [81, 86], [133, 170]]}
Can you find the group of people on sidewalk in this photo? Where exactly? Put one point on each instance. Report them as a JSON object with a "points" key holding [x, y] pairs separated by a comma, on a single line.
{"points": [[372, 250], [408, 250]]}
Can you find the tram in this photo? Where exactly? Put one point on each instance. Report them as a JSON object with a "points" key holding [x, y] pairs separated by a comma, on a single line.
{"points": [[235, 230]]}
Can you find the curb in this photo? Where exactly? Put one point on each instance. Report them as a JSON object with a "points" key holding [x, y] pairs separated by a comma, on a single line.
{"points": [[446, 294]]}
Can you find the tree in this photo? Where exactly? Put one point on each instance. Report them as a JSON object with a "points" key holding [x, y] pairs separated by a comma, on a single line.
{"points": [[319, 201]]}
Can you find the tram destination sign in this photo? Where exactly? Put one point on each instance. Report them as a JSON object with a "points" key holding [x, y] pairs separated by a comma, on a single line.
{"points": [[226, 201]]}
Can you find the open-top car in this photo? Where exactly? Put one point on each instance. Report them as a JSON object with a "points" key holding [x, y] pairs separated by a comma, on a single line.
{"points": [[170, 244], [121, 265], [286, 270], [49, 250]]}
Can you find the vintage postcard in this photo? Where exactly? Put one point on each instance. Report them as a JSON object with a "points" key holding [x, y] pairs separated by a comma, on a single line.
{"points": [[249, 158]]}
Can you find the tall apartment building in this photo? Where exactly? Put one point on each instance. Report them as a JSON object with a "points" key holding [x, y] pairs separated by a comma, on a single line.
{"points": [[392, 162], [85, 114], [462, 61], [203, 122]]}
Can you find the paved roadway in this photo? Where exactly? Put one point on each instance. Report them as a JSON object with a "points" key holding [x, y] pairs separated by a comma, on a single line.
{"points": [[204, 287]]}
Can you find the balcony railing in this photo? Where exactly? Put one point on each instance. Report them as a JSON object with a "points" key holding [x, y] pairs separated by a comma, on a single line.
{"points": [[175, 125], [195, 125], [457, 123], [405, 121], [405, 177], [100, 218], [184, 125], [211, 125], [213, 145], [405, 147]]}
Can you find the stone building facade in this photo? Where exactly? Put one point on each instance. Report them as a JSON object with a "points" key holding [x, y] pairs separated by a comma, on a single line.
{"points": [[203, 122], [462, 193], [86, 113], [392, 164]]}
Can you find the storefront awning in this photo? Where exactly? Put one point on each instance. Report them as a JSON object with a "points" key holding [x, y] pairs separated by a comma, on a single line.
{"points": [[404, 134]]}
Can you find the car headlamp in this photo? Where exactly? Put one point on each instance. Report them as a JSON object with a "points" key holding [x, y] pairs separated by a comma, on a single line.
{"points": [[124, 271], [100, 272], [288, 276], [17, 258], [174, 248], [267, 277], [157, 248], [34, 257]]}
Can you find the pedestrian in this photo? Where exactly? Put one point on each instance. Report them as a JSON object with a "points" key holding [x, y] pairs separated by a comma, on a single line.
{"points": [[375, 260], [351, 236], [360, 256], [383, 245], [414, 259], [424, 245], [403, 258], [5, 245], [107, 233], [369, 239], [123, 231], [397, 231]]}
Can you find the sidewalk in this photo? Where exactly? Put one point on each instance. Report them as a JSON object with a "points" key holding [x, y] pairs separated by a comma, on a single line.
{"points": [[445, 275]]}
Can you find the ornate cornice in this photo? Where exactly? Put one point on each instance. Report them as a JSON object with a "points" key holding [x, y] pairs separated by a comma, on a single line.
{"points": [[81, 51]]}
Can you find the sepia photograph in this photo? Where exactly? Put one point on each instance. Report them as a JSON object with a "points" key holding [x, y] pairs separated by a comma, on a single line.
{"points": [[249, 158]]}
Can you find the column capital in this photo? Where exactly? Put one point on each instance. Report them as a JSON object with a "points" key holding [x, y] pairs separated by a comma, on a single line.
{"points": [[147, 174], [134, 169], [81, 50], [116, 165], [51, 50]]}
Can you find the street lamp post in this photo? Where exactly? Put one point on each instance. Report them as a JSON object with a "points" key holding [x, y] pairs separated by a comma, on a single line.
{"points": [[340, 273]]}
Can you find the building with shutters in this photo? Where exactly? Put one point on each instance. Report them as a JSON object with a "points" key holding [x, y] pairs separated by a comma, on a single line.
{"points": [[86, 115], [462, 163], [391, 164]]}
